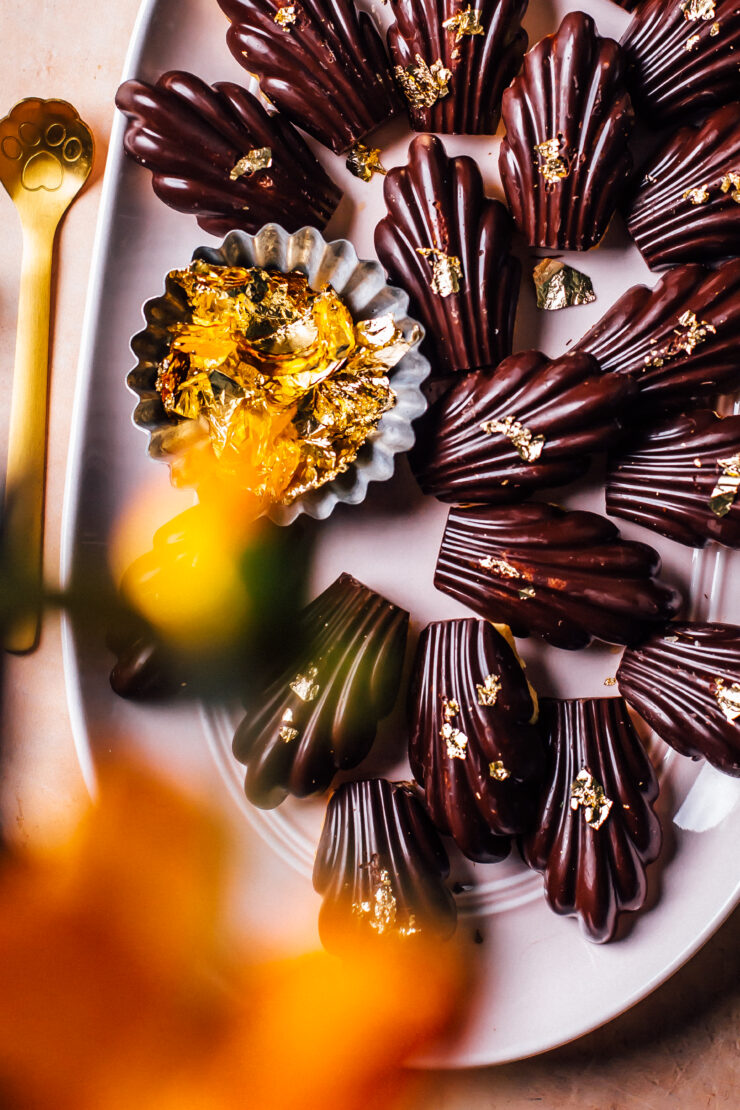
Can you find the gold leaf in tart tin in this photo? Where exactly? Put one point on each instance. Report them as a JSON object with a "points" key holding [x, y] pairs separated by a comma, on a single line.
{"points": [[362, 286]]}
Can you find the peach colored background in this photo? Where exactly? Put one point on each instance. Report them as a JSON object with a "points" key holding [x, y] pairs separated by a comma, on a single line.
{"points": [[679, 1048]]}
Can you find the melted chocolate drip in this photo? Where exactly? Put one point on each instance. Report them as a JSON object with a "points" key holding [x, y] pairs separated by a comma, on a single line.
{"points": [[565, 576], [481, 65], [380, 866], [327, 70], [438, 202], [473, 746], [570, 94], [191, 136], [568, 401], [321, 714], [678, 682], [595, 873], [681, 212], [642, 335]]}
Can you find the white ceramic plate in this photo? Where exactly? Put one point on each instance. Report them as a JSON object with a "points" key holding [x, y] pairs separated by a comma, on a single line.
{"points": [[540, 983]]}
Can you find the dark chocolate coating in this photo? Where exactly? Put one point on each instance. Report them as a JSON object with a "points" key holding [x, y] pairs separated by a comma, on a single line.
{"points": [[666, 226], [328, 71], [143, 671], [376, 830], [656, 481], [481, 65], [669, 81], [436, 201], [355, 640], [588, 582], [568, 400], [595, 873], [478, 811], [191, 136], [671, 681], [644, 321], [571, 88]]}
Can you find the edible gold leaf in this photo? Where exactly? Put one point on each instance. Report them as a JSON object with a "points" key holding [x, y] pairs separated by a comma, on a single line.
{"points": [[686, 338], [728, 484], [305, 685], [698, 195], [285, 16], [714, 30], [694, 10], [381, 910], [423, 85], [497, 771], [450, 708], [692, 42], [456, 741], [488, 690], [527, 445], [551, 163], [589, 794], [731, 182], [560, 286], [287, 733], [446, 270], [499, 566], [466, 22], [363, 161], [728, 698], [610, 681], [526, 592], [258, 159]]}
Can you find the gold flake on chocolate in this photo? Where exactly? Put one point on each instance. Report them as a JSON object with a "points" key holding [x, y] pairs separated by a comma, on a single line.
{"points": [[258, 159], [423, 85], [698, 195], [285, 16], [466, 22], [363, 161], [692, 42], [527, 445], [497, 771], [694, 10], [560, 286], [589, 794], [450, 708], [287, 731], [499, 566], [381, 911], [526, 592], [446, 270], [455, 741], [305, 685], [728, 698], [551, 164], [714, 30], [727, 487], [684, 342], [731, 181], [489, 689]]}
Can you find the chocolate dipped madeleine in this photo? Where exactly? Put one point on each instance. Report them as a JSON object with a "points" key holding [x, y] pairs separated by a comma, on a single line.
{"points": [[682, 58], [678, 340], [596, 829], [448, 246], [321, 62], [321, 714], [687, 208], [496, 437], [216, 153], [681, 478], [566, 576], [380, 866], [453, 61], [565, 160], [685, 682], [473, 746]]}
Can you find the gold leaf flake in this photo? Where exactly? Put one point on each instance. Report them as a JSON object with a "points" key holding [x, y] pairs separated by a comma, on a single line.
{"points": [[381, 911], [285, 16], [698, 195], [727, 487], [731, 181], [692, 41], [450, 708], [455, 740], [551, 164], [610, 681], [287, 733], [560, 286], [499, 566], [446, 270], [305, 685], [714, 29], [363, 161], [685, 341], [497, 771], [527, 445], [697, 9], [728, 698], [423, 85], [466, 22], [527, 591], [258, 159], [489, 689], [589, 794]]}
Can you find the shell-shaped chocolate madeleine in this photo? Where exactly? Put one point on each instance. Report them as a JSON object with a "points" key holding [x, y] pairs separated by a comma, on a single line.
{"points": [[496, 437], [321, 714], [216, 152], [480, 48], [565, 160], [682, 58], [474, 746], [320, 62], [682, 479], [448, 246], [685, 683], [380, 866], [567, 576], [687, 208], [679, 340], [596, 828]]}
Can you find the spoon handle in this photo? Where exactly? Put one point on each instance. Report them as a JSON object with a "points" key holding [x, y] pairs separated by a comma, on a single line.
{"points": [[24, 489]]}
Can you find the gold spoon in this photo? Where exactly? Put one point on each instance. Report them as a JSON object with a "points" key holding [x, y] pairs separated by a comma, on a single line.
{"points": [[46, 152]]}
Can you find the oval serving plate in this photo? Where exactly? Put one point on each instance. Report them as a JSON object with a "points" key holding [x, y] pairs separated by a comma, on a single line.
{"points": [[539, 983]]}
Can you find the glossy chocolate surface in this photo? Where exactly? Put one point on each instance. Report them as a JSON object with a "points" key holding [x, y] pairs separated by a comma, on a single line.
{"points": [[321, 714], [642, 335], [595, 873], [571, 94], [327, 69], [473, 746], [665, 478], [685, 682], [686, 208], [567, 576], [142, 671], [682, 58], [191, 136], [438, 202], [466, 451], [380, 866], [481, 65]]}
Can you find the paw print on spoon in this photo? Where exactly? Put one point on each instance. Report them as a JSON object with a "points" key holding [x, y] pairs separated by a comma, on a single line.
{"points": [[46, 153]]}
